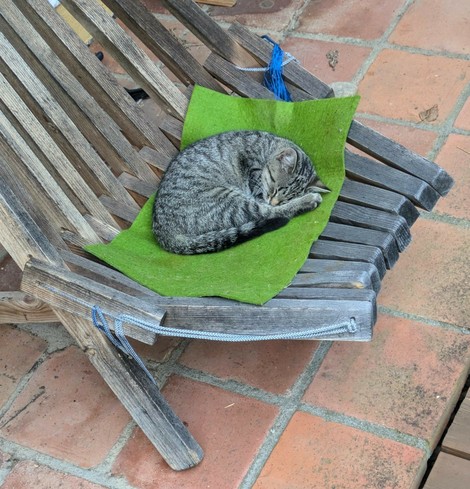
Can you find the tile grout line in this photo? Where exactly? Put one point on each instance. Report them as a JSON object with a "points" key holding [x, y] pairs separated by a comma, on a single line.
{"points": [[367, 426], [371, 43], [380, 44], [445, 218], [286, 413], [463, 330], [447, 126], [230, 385], [22, 453], [107, 464]]}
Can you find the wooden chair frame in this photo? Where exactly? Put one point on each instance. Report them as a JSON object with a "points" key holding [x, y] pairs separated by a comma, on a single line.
{"points": [[79, 158]]}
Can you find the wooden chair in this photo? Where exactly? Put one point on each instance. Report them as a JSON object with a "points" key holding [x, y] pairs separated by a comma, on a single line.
{"points": [[79, 159]]}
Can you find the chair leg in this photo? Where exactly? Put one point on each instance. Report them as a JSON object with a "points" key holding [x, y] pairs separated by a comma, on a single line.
{"points": [[138, 394]]}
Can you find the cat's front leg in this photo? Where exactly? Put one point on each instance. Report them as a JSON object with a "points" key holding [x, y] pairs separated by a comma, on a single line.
{"points": [[298, 206]]}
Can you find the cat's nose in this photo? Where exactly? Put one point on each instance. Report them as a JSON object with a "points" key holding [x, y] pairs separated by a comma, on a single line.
{"points": [[274, 201]]}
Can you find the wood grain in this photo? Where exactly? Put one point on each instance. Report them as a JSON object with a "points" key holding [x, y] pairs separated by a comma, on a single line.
{"points": [[18, 307], [95, 78], [162, 43], [137, 393], [449, 472], [124, 49], [457, 439]]}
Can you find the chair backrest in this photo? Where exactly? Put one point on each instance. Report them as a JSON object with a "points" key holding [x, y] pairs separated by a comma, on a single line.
{"points": [[83, 157]]}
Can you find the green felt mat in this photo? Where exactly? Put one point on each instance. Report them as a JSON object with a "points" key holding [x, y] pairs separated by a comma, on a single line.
{"points": [[257, 270]]}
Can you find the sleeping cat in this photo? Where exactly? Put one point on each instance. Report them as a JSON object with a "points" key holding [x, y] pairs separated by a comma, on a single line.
{"points": [[231, 187]]}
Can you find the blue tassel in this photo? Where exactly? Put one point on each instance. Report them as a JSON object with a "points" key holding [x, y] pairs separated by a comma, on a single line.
{"points": [[273, 76]]}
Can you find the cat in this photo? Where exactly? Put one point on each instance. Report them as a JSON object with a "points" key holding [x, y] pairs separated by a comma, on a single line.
{"points": [[231, 187]]}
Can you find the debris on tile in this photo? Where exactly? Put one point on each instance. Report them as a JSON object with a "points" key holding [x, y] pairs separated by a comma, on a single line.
{"points": [[430, 115], [333, 58]]}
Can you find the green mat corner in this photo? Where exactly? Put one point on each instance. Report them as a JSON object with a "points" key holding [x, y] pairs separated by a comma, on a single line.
{"points": [[257, 270]]}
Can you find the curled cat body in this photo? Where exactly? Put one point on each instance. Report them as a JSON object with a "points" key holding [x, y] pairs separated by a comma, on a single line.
{"points": [[232, 187]]}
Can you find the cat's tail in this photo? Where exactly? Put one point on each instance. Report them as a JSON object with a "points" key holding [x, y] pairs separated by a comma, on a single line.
{"points": [[224, 238]]}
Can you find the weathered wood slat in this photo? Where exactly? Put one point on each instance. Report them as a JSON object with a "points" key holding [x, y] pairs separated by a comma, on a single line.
{"points": [[44, 183], [374, 219], [109, 131], [18, 307], [449, 472], [350, 280], [55, 156], [396, 155], [25, 188], [139, 395], [69, 291], [336, 250], [122, 47], [141, 187], [457, 439], [364, 169], [98, 81], [278, 316], [21, 236], [61, 121], [208, 31], [378, 198], [236, 79], [354, 234], [325, 266], [76, 294], [156, 158], [119, 209], [161, 42], [366, 295], [102, 229]]}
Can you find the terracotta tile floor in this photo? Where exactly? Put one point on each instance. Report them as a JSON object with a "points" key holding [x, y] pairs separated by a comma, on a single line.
{"points": [[289, 415]]}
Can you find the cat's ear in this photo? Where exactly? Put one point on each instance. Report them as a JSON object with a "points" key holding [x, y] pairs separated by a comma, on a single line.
{"points": [[288, 159], [316, 185]]}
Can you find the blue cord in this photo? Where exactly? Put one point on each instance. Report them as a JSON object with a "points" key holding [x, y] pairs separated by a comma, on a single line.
{"points": [[273, 79]]}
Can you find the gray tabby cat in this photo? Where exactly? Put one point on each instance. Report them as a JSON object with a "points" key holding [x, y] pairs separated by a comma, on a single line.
{"points": [[231, 187]]}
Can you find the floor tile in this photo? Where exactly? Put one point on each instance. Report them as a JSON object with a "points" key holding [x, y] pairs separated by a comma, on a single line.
{"points": [[29, 475], [270, 365], [463, 119], [10, 274], [347, 18], [455, 158], [408, 378], [435, 24], [312, 55], [314, 453], [229, 427], [432, 276], [418, 140], [67, 411], [269, 15], [19, 351], [401, 85]]}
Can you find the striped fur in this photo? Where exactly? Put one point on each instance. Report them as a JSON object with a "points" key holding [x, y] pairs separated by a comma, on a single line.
{"points": [[230, 188]]}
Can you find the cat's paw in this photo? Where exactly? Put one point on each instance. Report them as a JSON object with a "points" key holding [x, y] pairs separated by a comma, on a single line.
{"points": [[312, 199]]}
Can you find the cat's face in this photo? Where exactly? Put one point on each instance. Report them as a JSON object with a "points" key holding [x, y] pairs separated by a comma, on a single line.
{"points": [[287, 176]]}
